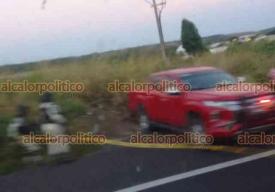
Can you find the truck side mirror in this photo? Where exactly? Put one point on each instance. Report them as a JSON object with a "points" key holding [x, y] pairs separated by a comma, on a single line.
{"points": [[173, 91]]}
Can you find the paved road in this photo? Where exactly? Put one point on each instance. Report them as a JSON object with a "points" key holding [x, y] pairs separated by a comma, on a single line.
{"points": [[251, 177], [115, 168]]}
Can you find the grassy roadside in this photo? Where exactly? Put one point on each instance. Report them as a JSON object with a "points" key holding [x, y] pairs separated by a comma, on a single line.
{"points": [[96, 108]]}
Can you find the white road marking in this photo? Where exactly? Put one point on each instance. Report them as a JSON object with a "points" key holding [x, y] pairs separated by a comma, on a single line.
{"points": [[196, 172]]}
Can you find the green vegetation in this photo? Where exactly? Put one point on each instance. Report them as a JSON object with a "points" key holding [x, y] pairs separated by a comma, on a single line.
{"points": [[10, 156], [190, 37], [252, 60]]}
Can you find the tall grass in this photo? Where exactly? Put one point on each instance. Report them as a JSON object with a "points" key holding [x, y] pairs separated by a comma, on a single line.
{"points": [[252, 60], [106, 109]]}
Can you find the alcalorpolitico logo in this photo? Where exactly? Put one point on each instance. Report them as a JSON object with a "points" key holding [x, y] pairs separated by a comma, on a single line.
{"points": [[134, 86], [186, 138], [42, 87], [256, 139]]}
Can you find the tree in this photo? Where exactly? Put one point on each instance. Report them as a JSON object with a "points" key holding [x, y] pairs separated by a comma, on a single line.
{"points": [[191, 39]]}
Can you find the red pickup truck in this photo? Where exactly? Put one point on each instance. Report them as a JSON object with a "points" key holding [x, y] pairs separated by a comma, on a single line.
{"points": [[203, 109]]}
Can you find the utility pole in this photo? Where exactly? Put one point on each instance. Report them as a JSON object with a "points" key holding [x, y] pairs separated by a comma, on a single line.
{"points": [[158, 8], [44, 2]]}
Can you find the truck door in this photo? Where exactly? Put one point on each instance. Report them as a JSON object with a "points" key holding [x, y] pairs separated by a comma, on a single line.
{"points": [[159, 101], [172, 102]]}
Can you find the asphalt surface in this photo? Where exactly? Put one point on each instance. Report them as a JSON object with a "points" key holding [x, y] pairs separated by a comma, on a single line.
{"points": [[115, 168], [250, 177]]}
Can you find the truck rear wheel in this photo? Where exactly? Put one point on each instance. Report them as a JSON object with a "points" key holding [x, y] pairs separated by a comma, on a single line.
{"points": [[143, 120]]}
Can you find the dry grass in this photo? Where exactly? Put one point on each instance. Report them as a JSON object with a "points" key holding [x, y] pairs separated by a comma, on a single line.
{"points": [[252, 60]]}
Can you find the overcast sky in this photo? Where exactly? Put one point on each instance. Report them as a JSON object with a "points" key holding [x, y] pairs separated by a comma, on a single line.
{"points": [[77, 27]]}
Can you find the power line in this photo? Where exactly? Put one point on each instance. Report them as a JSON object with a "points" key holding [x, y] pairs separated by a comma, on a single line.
{"points": [[158, 6]]}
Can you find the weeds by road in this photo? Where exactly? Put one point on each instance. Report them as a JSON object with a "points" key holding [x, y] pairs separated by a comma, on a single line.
{"points": [[98, 110]]}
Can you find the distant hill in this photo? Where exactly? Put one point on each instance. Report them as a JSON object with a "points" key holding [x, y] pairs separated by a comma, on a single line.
{"points": [[268, 31], [153, 47]]}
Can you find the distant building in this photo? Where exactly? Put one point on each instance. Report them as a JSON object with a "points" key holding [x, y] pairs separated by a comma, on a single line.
{"points": [[233, 39], [246, 38], [260, 37], [220, 49], [215, 45]]}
